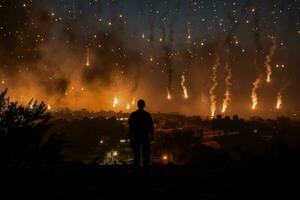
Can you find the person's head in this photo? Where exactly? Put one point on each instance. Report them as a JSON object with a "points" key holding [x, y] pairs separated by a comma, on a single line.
{"points": [[141, 104]]}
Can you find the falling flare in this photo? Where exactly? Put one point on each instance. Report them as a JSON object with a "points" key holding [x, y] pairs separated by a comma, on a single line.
{"points": [[189, 38], [226, 101], [227, 95], [133, 101], [213, 97], [169, 96], [87, 57], [128, 106], [269, 60], [116, 101], [189, 31], [49, 107], [279, 101], [254, 97], [184, 87]]}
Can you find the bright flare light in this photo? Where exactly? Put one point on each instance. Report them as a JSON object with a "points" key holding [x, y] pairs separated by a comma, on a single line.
{"points": [[116, 102], [184, 87], [169, 96], [254, 98], [226, 101], [165, 157], [115, 153], [213, 96], [227, 95], [269, 76], [269, 60], [189, 31], [279, 101], [133, 101], [87, 57]]}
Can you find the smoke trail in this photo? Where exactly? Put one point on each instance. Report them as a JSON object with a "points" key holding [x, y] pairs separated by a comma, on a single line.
{"points": [[213, 96], [229, 47], [279, 100], [258, 47], [269, 60], [168, 58], [152, 18], [163, 19], [174, 19], [256, 85], [87, 57], [184, 86], [168, 50], [227, 95], [234, 22], [188, 51], [256, 31], [189, 24], [169, 96]]}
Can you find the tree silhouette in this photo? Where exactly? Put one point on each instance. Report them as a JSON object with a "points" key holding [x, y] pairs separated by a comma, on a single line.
{"points": [[23, 133]]}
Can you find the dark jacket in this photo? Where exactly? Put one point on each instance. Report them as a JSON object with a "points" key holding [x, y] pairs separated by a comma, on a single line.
{"points": [[140, 126]]}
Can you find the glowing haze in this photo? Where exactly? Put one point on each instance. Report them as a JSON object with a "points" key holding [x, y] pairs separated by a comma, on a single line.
{"points": [[105, 55]]}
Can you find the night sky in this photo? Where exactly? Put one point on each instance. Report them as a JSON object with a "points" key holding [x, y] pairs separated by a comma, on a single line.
{"points": [[189, 56]]}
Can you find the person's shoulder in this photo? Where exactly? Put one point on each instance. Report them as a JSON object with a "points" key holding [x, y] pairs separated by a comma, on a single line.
{"points": [[133, 114], [148, 113], [137, 112]]}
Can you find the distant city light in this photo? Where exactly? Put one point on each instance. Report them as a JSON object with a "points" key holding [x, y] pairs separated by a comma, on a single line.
{"points": [[115, 153], [165, 157]]}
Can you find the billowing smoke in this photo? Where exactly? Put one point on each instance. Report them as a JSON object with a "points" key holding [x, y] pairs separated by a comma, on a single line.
{"points": [[74, 54], [65, 72]]}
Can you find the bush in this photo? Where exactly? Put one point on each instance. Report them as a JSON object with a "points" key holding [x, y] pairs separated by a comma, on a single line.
{"points": [[23, 134]]}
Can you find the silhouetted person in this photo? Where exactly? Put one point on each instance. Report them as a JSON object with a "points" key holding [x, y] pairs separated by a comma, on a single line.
{"points": [[141, 134]]}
